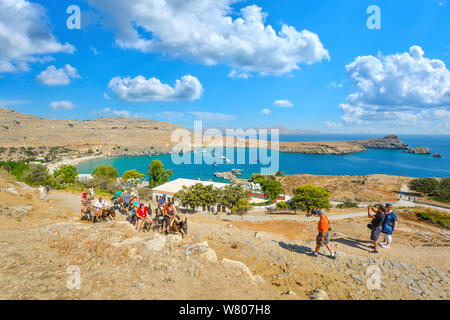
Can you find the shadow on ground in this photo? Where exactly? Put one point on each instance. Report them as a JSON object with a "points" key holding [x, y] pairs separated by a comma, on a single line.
{"points": [[296, 248], [355, 243]]}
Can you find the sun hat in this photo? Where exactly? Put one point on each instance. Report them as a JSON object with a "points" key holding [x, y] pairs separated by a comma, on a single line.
{"points": [[320, 212], [388, 204]]}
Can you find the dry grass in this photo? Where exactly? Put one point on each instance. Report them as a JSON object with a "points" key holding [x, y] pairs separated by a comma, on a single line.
{"points": [[369, 188], [77, 249]]}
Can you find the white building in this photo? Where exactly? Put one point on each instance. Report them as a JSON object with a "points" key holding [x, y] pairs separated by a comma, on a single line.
{"points": [[172, 187]]}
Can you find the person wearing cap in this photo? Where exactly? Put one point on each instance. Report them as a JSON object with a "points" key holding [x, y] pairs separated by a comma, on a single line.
{"points": [[389, 226], [323, 238], [162, 200]]}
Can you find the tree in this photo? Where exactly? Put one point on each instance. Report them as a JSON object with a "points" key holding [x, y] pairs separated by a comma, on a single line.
{"points": [[132, 174], [230, 195], [257, 178], [36, 174], [309, 197], [197, 195], [272, 189], [427, 186], [157, 174], [108, 172], [66, 174]]}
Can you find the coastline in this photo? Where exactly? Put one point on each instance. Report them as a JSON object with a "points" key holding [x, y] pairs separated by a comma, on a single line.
{"points": [[71, 161]]}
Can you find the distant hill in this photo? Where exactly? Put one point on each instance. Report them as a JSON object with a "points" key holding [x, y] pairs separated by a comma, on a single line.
{"points": [[284, 130], [25, 137], [109, 136]]}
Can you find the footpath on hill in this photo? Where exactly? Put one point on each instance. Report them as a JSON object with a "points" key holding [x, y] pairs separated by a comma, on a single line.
{"points": [[42, 241]]}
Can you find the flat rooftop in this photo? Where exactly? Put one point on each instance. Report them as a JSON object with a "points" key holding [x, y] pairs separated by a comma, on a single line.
{"points": [[176, 185]]}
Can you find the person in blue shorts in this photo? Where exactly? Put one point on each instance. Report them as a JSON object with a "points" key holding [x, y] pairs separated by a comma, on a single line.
{"points": [[389, 226]]}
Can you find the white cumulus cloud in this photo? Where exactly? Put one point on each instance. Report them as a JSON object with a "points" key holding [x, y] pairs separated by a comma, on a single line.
{"points": [[283, 104], [57, 77], [152, 89], [25, 36], [400, 88], [61, 105], [211, 32], [265, 111]]}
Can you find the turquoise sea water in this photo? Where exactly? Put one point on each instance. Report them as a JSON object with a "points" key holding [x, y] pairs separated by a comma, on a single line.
{"points": [[373, 161]]}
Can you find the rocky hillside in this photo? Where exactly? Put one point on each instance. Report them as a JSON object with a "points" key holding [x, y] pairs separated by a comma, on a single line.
{"points": [[343, 147], [388, 142], [25, 136], [43, 240], [108, 136]]}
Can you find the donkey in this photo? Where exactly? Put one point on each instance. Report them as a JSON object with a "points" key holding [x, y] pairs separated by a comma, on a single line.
{"points": [[180, 226]]}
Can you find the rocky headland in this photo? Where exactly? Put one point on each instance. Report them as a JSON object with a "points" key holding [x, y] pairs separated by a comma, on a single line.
{"points": [[25, 137]]}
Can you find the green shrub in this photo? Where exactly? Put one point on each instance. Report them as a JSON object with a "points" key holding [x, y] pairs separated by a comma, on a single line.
{"points": [[283, 205], [427, 186], [36, 175], [105, 172], [435, 218], [66, 174], [347, 204], [16, 168], [444, 190], [241, 207]]}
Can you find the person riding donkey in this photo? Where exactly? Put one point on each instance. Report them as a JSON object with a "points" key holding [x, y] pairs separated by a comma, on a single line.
{"points": [[134, 206], [85, 204], [99, 206], [170, 215], [142, 215], [117, 195]]}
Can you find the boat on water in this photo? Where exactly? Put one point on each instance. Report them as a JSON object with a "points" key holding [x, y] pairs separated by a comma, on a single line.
{"points": [[437, 155], [215, 165]]}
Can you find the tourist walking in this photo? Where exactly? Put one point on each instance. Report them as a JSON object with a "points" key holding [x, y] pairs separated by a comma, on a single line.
{"points": [[323, 238], [376, 224], [389, 226]]}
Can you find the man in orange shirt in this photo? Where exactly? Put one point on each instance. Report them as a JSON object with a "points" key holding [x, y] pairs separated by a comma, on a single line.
{"points": [[323, 238]]}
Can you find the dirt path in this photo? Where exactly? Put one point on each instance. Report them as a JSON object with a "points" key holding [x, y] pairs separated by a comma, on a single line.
{"points": [[271, 259]]}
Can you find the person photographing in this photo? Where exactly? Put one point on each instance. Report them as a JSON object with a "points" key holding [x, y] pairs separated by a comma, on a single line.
{"points": [[376, 225]]}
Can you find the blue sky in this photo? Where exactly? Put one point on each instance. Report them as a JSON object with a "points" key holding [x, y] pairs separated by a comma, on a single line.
{"points": [[200, 62]]}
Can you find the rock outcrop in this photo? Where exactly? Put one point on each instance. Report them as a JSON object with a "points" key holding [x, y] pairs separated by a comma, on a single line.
{"points": [[388, 142], [418, 150]]}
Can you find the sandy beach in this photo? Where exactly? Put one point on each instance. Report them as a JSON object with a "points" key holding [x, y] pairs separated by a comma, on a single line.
{"points": [[52, 166]]}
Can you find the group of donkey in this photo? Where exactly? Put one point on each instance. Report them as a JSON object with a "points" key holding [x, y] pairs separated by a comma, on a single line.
{"points": [[156, 225]]}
